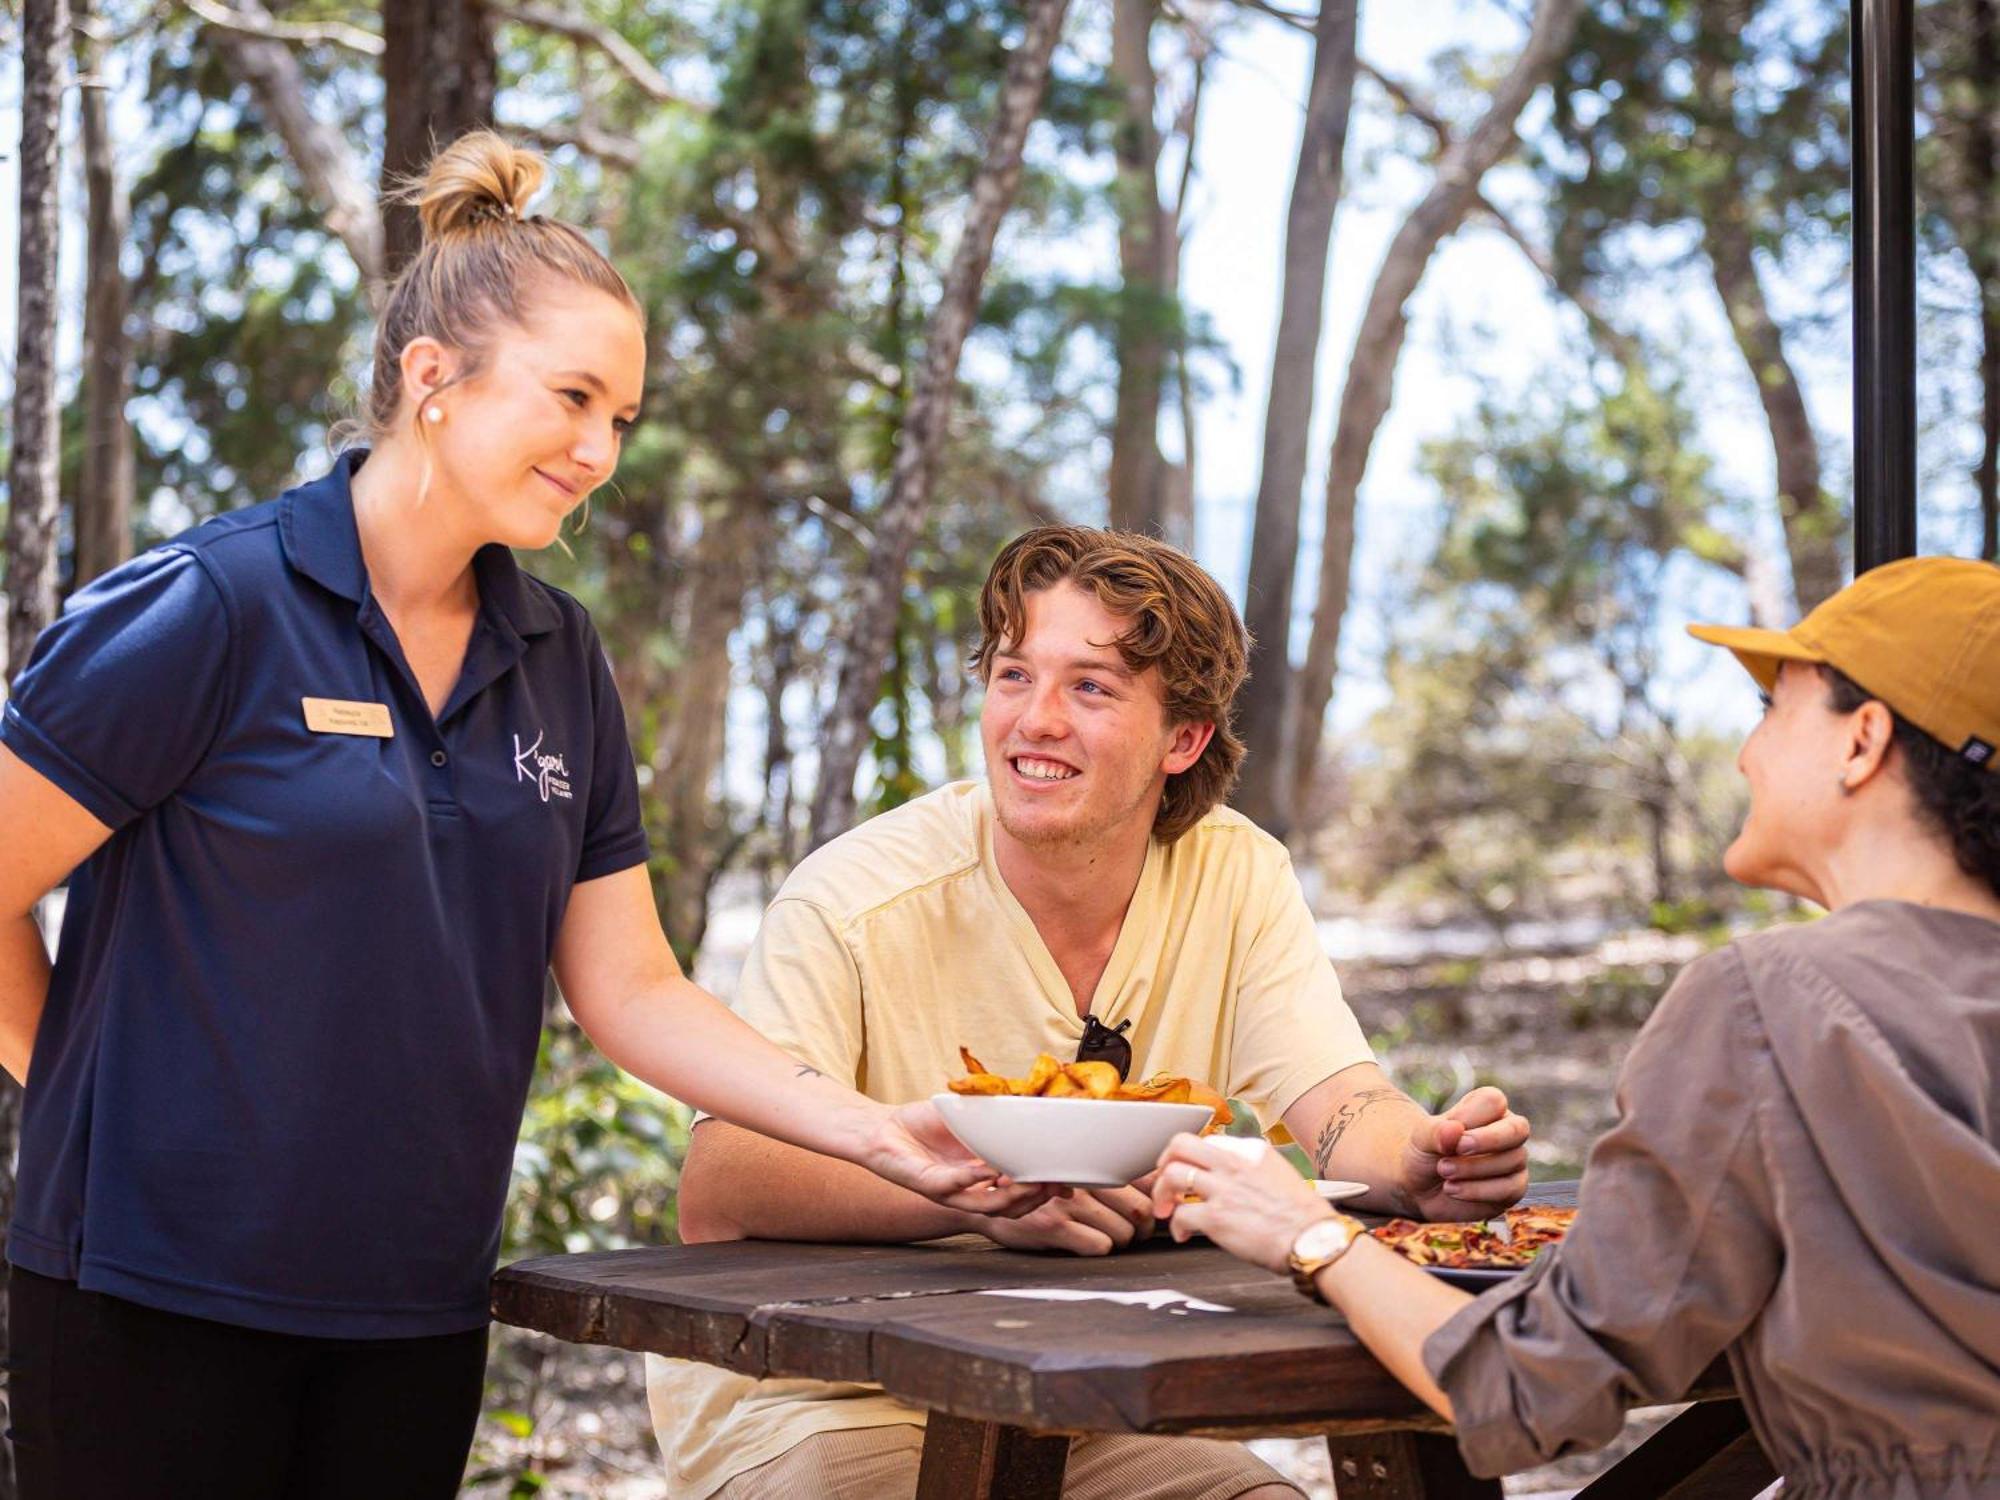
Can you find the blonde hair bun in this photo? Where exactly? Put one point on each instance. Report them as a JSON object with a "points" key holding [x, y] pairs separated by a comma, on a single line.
{"points": [[479, 178]]}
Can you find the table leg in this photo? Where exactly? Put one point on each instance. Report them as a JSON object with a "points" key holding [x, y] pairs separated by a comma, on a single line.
{"points": [[965, 1460], [1403, 1466]]}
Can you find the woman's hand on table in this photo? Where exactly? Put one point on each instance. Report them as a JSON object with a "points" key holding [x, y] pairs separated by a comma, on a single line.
{"points": [[912, 1147], [1252, 1202], [1469, 1162]]}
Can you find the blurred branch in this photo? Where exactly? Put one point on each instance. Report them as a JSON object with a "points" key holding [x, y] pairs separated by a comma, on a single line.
{"points": [[1297, 20], [300, 33], [617, 150], [255, 47], [630, 61]]}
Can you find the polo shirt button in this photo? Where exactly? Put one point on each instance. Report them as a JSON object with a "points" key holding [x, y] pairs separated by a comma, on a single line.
{"points": [[438, 758]]}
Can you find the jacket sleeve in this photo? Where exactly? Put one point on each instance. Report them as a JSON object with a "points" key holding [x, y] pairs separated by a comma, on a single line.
{"points": [[1673, 1253]]}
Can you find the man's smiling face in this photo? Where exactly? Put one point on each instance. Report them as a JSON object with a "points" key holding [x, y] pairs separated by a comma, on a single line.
{"points": [[1078, 746]]}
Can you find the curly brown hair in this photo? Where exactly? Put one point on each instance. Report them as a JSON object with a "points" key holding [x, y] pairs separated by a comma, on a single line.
{"points": [[1181, 623]]}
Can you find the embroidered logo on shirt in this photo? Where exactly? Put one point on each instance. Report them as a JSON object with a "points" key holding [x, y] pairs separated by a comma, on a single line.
{"points": [[547, 772]]}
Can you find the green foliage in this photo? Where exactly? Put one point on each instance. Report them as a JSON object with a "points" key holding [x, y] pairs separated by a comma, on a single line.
{"points": [[250, 314], [1531, 756], [598, 1160], [1671, 111]]}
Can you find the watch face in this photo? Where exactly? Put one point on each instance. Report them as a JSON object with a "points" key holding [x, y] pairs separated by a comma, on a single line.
{"points": [[1321, 1239]]}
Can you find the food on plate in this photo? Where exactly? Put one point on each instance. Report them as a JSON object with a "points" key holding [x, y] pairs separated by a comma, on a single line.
{"points": [[1523, 1233], [1049, 1079], [1532, 1228]]}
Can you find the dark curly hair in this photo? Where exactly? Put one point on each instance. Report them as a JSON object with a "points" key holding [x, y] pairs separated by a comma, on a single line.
{"points": [[1180, 621], [1960, 800]]}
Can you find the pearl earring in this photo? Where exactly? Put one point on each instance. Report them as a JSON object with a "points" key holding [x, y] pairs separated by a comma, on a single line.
{"points": [[433, 414]]}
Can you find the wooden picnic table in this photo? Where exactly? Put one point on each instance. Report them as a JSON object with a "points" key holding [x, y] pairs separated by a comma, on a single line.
{"points": [[1009, 1379]]}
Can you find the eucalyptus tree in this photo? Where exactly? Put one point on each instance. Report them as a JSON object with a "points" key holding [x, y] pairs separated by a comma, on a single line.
{"points": [[1720, 126], [107, 481], [33, 500], [1534, 716], [914, 473], [1958, 196], [1378, 342], [1270, 697]]}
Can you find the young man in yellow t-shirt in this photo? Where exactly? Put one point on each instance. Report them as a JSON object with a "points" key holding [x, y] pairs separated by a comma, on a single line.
{"points": [[1094, 876]]}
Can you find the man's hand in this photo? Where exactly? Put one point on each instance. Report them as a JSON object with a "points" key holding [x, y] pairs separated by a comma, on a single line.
{"points": [[911, 1146], [1089, 1221], [1468, 1162]]}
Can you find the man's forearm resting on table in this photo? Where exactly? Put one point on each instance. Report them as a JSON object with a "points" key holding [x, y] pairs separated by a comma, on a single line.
{"points": [[1355, 1126], [737, 1185]]}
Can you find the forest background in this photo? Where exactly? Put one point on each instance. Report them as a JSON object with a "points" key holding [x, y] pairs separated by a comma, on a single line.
{"points": [[1476, 345]]}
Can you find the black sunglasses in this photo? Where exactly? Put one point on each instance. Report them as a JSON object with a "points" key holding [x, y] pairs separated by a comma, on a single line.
{"points": [[1103, 1043]]}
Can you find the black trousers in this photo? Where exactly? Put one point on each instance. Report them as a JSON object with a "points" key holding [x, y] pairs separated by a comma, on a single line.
{"points": [[114, 1401]]}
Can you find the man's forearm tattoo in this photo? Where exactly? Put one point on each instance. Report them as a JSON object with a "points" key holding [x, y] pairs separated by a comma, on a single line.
{"points": [[1349, 1111]]}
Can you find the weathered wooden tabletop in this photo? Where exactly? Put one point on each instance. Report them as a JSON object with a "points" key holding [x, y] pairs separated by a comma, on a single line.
{"points": [[942, 1326]]}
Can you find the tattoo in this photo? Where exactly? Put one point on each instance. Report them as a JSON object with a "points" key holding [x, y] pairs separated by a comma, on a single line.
{"points": [[1337, 1123], [804, 1071]]}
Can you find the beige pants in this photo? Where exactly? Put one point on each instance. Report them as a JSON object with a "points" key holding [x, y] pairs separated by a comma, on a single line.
{"points": [[880, 1463]]}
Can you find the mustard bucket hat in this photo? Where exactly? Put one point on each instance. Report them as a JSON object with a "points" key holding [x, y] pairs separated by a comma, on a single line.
{"points": [[1921, 634]]}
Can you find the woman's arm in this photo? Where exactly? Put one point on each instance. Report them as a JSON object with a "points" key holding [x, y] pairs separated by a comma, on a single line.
{"points": [[49, 835], [1254, 1206], [626, 990], [1673, 1255]]}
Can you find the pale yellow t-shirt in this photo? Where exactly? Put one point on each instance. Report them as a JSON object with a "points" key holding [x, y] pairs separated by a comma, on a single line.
{"points": [[892, 946]]}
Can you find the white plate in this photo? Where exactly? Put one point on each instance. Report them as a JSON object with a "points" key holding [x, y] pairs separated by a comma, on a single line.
{"points": [[1078, 1142], [1338, 1192]]}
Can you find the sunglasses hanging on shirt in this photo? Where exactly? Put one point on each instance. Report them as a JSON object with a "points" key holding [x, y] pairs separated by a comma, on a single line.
{"points": [[1103, 1043]]}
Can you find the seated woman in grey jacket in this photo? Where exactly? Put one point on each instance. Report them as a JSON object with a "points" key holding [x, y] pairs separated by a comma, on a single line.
{"points": [[1805, 1174]]}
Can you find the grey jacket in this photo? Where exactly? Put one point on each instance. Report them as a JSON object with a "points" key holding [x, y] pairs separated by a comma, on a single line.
{"points": [[1806, 1175]]}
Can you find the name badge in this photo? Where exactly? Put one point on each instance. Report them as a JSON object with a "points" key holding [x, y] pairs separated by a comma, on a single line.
{"points": [[339, 716]]}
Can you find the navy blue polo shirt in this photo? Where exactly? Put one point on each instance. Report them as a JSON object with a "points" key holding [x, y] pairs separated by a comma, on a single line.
{"points": [[299, 991]]}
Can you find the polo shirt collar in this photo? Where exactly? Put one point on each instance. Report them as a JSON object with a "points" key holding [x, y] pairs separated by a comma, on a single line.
{"points": [[316, 523]]}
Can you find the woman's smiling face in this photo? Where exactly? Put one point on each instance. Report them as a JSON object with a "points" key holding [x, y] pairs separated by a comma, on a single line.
{"points": [[1793, 761], [524, 442]]}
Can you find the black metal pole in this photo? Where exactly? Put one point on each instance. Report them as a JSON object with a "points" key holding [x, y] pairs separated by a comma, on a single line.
{"points": [[1885, 285]]}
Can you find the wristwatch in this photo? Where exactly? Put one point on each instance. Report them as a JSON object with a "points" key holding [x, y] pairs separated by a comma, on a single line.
{"points": [[1318, 1246]]}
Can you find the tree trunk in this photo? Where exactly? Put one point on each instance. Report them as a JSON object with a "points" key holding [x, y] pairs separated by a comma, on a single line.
{"points": [[1372, 368], [780, 780], [1981, 237], [1177, 480], [1812, 525], [328, 165], [1137, 467], [105, 491], [34, 502], [908, 500], [34, 462], [439, 72], [693, 728], [1264, 793]]}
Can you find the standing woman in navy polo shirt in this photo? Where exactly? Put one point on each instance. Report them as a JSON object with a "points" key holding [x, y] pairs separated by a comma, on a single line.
{"points": [[339, 784]]}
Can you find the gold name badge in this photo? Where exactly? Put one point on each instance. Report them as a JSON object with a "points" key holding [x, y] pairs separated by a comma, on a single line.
{"points": [[338, 716]]}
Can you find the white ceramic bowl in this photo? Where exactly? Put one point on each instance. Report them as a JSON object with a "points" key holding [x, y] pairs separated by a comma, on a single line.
{"points": [[1082, 1142]]}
